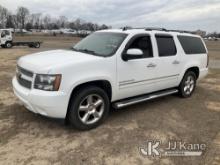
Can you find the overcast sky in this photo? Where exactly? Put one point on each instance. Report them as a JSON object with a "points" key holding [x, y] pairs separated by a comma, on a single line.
{"points": [[173, 14]]}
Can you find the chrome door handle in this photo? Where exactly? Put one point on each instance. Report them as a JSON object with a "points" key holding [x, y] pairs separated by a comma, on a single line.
{"points": [[176, 62], [151, 65]]}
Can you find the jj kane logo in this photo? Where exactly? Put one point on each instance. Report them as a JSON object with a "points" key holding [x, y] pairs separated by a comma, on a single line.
{"points": [[172, 148]]}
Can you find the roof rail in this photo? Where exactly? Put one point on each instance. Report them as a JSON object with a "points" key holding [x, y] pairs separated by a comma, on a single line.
{"points": [[154, 28], [158, 29], [144, 28], [181, 31]]}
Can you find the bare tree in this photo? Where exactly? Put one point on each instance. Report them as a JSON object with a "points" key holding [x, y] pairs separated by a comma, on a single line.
{"points": [[78, 24], [62, 21], [24, 20], [47, 21], [3, 16], [90, 26], [15, 21], [72, 25], [22, 14], [95, 27], [36, 20], [103, 27], [10, 22]]}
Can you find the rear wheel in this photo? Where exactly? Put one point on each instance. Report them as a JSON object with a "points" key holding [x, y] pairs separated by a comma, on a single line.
{"points": [[188, 84], [89, 108], [37, 45]]}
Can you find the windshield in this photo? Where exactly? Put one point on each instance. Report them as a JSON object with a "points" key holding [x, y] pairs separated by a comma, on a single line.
{"points": [[100, 43]]}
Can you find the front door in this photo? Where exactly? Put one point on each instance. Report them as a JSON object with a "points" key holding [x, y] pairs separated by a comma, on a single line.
{"points": [[137, 76]]}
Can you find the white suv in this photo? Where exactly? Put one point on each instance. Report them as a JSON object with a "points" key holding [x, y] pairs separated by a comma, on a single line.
{"points": [[110, 67]]}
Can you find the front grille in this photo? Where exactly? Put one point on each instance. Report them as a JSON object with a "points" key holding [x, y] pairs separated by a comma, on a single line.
{"points": [[24, 83], [25, 72], [24, 77]]}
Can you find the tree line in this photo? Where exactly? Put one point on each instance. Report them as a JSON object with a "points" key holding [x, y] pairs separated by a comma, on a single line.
{"points": [[23, 19]]}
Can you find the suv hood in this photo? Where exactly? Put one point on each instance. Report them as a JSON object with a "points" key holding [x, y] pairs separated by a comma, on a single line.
{"points": [[44, 61]]}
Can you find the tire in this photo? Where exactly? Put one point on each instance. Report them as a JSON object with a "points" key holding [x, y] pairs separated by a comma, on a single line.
{"points": [[94, 104], [187, 85], [37, 45], [8, 45]]}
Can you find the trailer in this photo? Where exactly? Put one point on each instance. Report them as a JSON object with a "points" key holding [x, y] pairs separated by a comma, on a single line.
{"points": [[6, 40], [29, 44]]}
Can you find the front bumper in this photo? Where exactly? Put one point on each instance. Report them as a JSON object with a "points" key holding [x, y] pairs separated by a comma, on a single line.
{"points": [[46, 103]]}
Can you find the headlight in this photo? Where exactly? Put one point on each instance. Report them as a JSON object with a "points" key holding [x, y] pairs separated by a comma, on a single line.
{"points": [[47, 82]]}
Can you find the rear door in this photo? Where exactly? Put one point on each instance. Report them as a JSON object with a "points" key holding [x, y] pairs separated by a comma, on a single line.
{"points": [[169, 63]]}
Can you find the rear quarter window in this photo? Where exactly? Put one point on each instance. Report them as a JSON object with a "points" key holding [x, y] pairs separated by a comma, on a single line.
{"points": [[192, 45]]}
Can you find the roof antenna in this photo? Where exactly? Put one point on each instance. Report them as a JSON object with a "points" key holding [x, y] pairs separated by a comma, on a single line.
{"points": [[124, 28]]}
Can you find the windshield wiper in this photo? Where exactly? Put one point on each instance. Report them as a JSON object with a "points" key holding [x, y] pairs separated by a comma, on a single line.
{"points": [[87, 51]]}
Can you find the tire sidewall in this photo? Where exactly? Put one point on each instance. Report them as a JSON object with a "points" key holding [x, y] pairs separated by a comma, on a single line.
{"points": [[182, 85], [75, 102]]}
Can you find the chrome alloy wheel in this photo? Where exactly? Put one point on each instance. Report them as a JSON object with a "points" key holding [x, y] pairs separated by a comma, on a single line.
{"points": [[91, 109], [189, 85]]}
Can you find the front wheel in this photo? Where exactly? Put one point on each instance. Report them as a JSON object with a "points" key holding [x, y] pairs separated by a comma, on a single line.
{"points": [[8, 45], [89, 107], [187, 85]]}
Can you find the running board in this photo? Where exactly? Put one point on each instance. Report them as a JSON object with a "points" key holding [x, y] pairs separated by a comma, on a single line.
{"points": [[131, 101]]}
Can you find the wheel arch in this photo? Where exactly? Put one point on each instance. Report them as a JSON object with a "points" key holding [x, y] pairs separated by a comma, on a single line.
{"points": [[103, 84], [194, 69]]}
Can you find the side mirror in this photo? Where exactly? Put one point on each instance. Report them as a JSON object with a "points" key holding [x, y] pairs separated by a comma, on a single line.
{"points": [[132, 54]]}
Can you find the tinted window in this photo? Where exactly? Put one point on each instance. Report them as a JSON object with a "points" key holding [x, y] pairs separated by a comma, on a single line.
{"points": [[143, 43], [166, 45], [192, 45]]}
